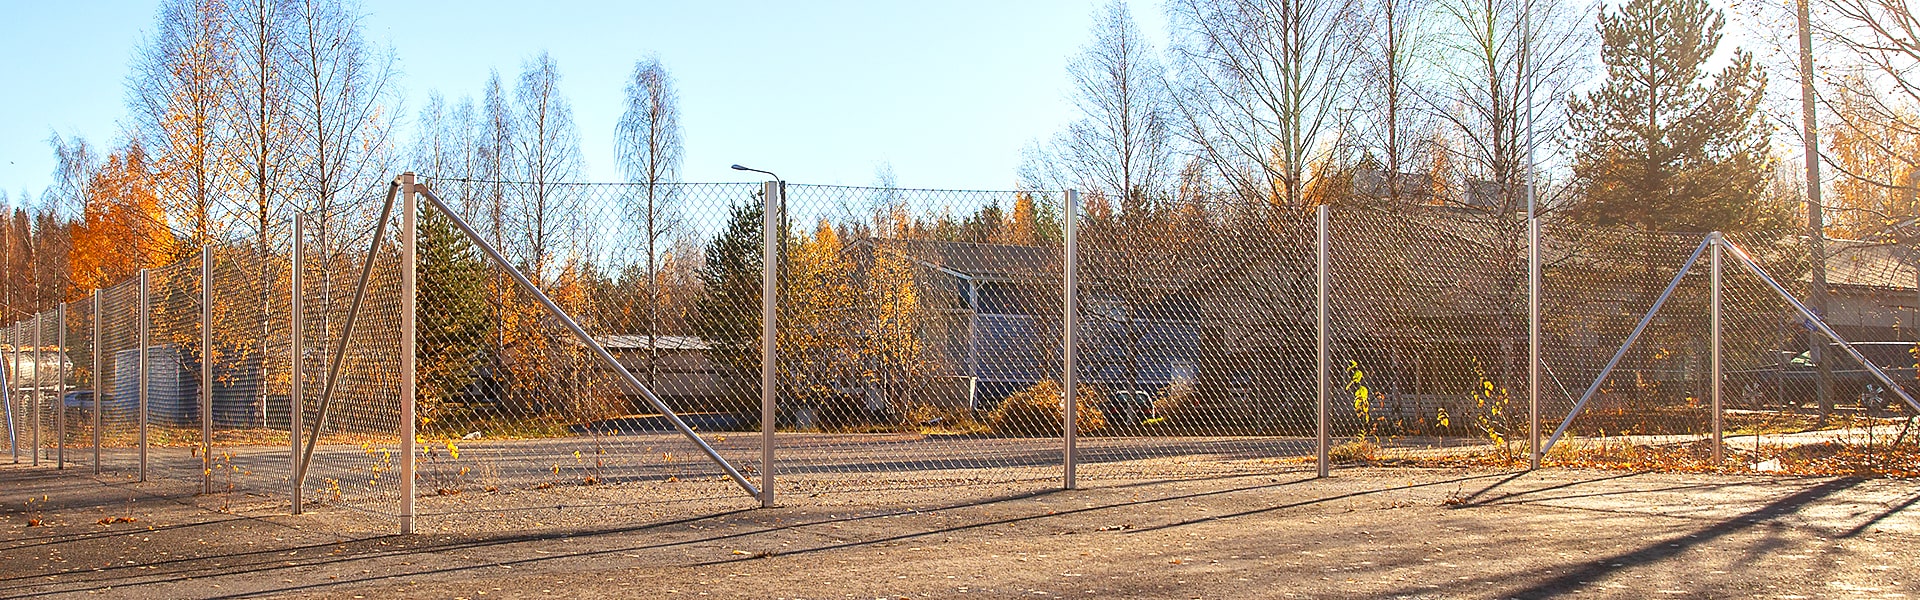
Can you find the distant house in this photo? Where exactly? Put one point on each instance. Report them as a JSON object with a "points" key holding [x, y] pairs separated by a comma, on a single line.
{"points": [[997, 322], [1873, 296], [683, 376], [1873, 302], [1409, 188]]}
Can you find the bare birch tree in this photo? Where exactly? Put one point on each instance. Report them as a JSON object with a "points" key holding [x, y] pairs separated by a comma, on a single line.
{"points": [[1396, 128], [1874, 108], [547, 153], [182, 103], [1121, 144], [259, 129], [1497, 63], [1267, 85], [340, 112], [647, 143]]}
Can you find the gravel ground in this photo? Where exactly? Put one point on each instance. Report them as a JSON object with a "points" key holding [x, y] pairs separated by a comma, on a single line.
{"points": [[1389, 533]]}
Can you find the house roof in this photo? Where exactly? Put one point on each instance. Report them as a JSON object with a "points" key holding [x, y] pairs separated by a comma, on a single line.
{"points": [[1870, 265], [638, 341], [982, 261]]}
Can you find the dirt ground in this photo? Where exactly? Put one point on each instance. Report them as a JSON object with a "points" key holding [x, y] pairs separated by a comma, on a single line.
{"points": [[1382, 533]]}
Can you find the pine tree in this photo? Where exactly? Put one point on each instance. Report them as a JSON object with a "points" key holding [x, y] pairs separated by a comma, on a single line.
{"points": [[1663, 146]]}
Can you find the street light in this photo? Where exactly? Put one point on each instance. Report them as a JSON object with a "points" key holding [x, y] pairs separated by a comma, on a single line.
{"points": [[769, 173]]}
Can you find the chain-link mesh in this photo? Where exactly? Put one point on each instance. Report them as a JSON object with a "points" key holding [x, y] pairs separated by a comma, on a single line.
{"points": [[19, 408], [355, 455], [1427, 334], [1197, 336], [516, 412], [919, 337], [1598, 284], [79, 400], [118, 396], [49, 367], [173, 371], [1776, 419], [249, 370]]}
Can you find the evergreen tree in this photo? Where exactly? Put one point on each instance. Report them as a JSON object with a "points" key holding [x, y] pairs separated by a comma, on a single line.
{"points": [[727, 315], [455, 331], [1663, 146]]}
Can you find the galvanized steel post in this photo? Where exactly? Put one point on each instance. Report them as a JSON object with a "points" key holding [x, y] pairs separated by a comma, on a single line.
{"points": [[206, 369], [36, 397], [145, 312], [296, 325], [1719, 446], [60, 362], [1069, 329], [773, 194], [99, 390], [1533, 341], [409, 257], [6, 399], [1320, 334]]}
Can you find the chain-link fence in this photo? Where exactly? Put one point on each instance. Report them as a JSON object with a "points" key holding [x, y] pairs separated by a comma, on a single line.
{"points": [[517, 411], [588, 345]]}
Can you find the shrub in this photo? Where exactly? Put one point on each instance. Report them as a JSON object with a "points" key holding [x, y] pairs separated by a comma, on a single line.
{"points": [[1035, 411]]}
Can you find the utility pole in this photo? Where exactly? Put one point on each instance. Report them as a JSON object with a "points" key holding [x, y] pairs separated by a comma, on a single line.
{"points": [[1816, 223]]}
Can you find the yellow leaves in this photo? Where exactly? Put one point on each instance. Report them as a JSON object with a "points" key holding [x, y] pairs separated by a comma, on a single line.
{"points": [[1362, 397], [1441, 418], [452, 450]]}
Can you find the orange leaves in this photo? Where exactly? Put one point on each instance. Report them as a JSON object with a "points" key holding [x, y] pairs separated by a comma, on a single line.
{"points": [[122, 228]]}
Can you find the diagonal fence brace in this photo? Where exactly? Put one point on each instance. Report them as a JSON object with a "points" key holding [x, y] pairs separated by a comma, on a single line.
{"points": [[1624, 346], [1821, 324], [346, 335], [626, 377]]}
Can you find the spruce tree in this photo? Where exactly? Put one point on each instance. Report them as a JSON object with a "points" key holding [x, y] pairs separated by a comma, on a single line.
{"points": [[1662, 146], [454, 321], [727, 315]]}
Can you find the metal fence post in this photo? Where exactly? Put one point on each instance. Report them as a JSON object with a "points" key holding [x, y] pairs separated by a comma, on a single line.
{"points": [[60, 362], [409, 283], [206, 369], [1719, 447], [145, 312], [773, 194], [99, 390], [1533, 343], [1069, 326], [6, 397], [1321, 333], [296, 331], [36, 397]]}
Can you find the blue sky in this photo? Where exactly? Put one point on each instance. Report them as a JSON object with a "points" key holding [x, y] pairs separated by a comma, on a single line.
{"points": [[821, 92]]}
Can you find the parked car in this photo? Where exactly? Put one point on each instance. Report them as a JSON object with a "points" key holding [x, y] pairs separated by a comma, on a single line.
{"points": [[82, 401], [78, 400]]}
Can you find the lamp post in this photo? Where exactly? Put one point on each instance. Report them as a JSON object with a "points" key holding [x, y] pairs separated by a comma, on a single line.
{"points": [[767, 173]]}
